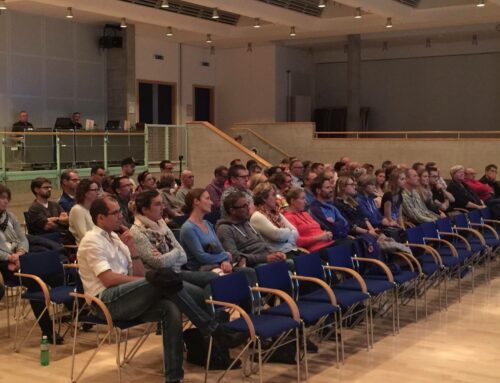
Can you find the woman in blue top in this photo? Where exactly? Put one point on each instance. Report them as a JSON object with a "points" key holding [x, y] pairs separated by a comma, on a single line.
{"points": [[203, 248], [393, 198]]}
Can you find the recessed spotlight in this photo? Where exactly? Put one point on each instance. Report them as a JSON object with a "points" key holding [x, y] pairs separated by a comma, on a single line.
{"points": [[170, 32], [3, 5], [388, 24], [123, 23], [256, 23], [69, 13], [215, 14], [165, 4], [292, 31], [480, 3], [358, 13], [322, 4], [209, 38]]}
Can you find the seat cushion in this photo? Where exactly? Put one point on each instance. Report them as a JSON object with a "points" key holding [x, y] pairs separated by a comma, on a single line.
{"points": [[57, 294], [345, 298], [266, 326], [375, 286], [310, 311], [402, 277]]}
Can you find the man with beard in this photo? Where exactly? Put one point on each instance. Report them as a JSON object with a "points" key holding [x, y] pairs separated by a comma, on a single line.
{"points": [[122, 188]]}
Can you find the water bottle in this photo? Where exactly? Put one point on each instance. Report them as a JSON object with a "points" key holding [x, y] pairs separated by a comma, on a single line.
{"points": [[44, 351]]}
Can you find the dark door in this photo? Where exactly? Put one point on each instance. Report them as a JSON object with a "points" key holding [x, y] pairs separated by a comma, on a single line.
{"points": [[203, 104], [156, 104]]}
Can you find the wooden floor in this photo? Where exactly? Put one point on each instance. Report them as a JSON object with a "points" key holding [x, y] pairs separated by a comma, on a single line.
{"points": [[461, 344]]}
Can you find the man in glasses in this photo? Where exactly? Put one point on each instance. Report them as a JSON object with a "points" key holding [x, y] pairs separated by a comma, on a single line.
{"points": [[490, 178], [97, 175], [111, 268], [122, 189], [69, 182], [238, 179], [238, 237], [297, 173]]}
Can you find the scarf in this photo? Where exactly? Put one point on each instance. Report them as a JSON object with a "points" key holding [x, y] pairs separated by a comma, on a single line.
{"points": [[157, 232], [272, 215], [4, 217]]}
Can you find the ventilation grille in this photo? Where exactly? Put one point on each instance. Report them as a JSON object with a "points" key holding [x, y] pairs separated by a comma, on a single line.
{"points": [[308, 7], [189, 9], [410, 3]]}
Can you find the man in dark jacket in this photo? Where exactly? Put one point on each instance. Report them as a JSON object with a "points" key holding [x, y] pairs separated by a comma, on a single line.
{"points": [[490, 178]]}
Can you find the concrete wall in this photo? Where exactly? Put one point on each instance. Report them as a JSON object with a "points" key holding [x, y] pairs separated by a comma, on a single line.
{"points": [[51, 68], [297, 139]]}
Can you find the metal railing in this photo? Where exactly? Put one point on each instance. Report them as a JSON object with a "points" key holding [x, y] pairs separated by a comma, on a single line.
{"points": [[407, 135]]}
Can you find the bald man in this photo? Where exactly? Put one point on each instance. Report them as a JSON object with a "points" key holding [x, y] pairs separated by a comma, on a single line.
{"points": [[187, 182]]}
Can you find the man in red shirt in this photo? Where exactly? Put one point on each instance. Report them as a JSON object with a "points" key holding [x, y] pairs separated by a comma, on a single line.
{"points": [[484, 191]]}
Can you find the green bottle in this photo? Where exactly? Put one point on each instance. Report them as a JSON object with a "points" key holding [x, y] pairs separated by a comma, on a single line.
{"points": [[44, 351]]}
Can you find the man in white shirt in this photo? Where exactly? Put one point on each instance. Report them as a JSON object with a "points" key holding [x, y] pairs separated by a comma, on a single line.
{"points": [[111, 269]]}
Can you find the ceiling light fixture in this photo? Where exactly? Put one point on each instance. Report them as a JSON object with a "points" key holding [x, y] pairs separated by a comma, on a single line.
{"points": [[388, 23], [123, 23], [257, 23], [165, 4], [3, 5], [170, 32], [480, 3], [358, 13], [209, 38], [322, 4], [292, 32], [69, 13], [215, 14]]}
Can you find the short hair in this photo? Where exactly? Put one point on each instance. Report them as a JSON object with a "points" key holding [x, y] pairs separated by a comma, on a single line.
{"points": [[256, 179], [233, 171], [318, 184], [5, 190], [294, 161], [142, 176], [386, 164], [75, 113], [38, 182], [250, 163], [232, 198], [190, 197], [337, 166], [490, 167], [455, 169], [143, 199], [285, 161], [378, 171], [253, 167], [272, 170], [279, 179], [365, 180], [432, 169], [236, 161], [82, 189], [261, 192], [316, 165], [100, 206], [416, 165], [163, 163], [430, 164], [116, 184], [107, 182], [167, 181], [65, 175], [219, 170], [293, 193], [95, 168]]}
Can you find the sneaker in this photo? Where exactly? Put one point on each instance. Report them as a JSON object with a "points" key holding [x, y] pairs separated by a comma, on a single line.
{"points": [[227, 338], [59, 339]]}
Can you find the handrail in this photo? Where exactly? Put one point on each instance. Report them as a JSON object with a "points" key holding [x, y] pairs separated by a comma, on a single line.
{"points": [[230, 140], [398, 135], [266, 141], [106, 133]]}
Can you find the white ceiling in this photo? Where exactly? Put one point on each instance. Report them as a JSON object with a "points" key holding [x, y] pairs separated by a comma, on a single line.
{"points": [[432, 18]]}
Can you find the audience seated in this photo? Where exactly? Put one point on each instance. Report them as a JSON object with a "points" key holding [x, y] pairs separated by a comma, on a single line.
{"points": [[490, 178], [80, 221], [97, 175], [392, 200], [69, 182], [45, 216], [318, 167], [216, 187], [146, 181], [414, 208], [239, 238], [484, 191], [441, 197], [238, 178], [271, 224], [465, 197], [283, 182], [366, 201], [425, 191], [172, 205], [111, 268], [122, 190], [187, 182], [311, 236], [255, 180], [379, 186], [297, 173], [308, 180], [128, 169]]}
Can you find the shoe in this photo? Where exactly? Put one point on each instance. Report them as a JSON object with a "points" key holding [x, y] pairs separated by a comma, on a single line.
{"points": [[86, 327], [59, 339], [226, 338]]}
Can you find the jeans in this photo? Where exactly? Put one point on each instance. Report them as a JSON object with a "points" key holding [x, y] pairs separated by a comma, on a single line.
{"points": [[141, 300]]}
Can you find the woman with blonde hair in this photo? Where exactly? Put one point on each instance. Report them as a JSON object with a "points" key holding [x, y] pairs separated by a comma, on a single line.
{"points": [[392, 199]]}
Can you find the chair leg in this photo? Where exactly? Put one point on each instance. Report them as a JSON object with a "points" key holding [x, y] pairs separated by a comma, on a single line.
{"points": [[209, 356], [297, 348], [341, 336], [416, 300], [259, 351], [118, 336], [425, 297]]}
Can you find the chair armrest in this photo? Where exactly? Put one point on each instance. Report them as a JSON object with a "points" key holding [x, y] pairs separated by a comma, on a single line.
{"points": [[243, 314], [444, 241], [319, 282], [428, 249], [404, 258], [100, 304], [70, 246], [354, 273], [488, 227], [493, 221], [284, 296], [460, 210], [71, 266], [461, 237], [42, 284], [303, 250], [412, 259], [475, 232], [380, 264]]}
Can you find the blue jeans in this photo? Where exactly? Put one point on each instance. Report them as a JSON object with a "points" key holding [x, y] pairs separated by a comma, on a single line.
{"points": [[141, 300]]}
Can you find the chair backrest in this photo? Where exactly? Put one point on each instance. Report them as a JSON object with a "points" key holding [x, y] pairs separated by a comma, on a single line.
{"points": [[461, 220], [232, 288], [340, 256], [45, 264], [213, 216], [444, 224], [179, 220], [486, 213], [275, 276], [309, 265], [415, 235], [475, 216], [26, 220], [430, 230]]}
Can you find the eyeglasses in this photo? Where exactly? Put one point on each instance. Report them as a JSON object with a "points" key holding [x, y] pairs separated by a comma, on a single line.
{"points": [[126, 185], [101, 174], [74, 179], [115, 212], [46, 187], [244, 206], [244, 177]]}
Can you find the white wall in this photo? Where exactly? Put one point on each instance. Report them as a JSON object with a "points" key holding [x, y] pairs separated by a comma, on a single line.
{"points": [[50, 68], [245, 86], [452, 86]]}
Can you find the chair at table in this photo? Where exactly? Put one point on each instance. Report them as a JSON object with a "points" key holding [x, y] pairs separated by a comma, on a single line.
{"points": [[233, 292]]}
